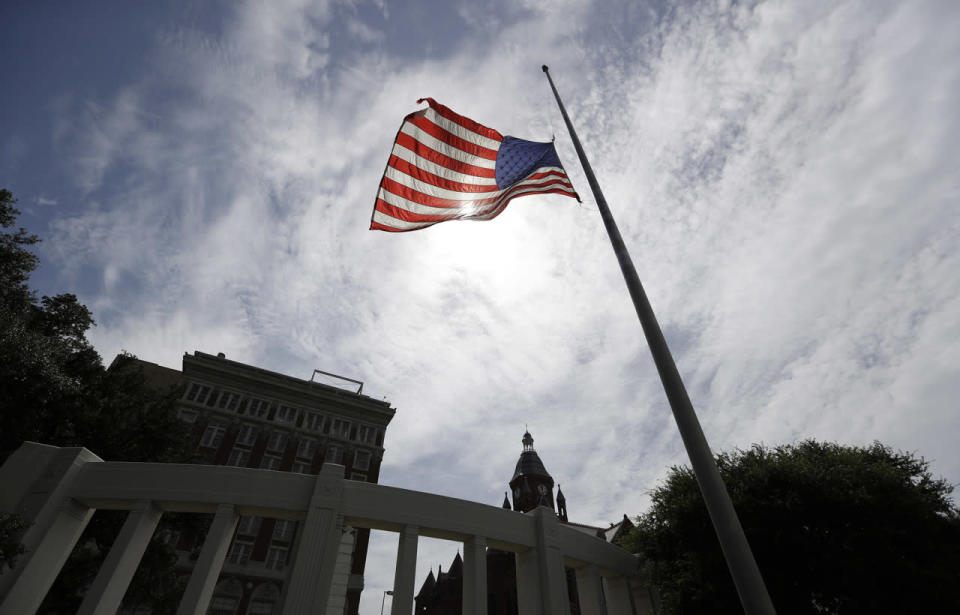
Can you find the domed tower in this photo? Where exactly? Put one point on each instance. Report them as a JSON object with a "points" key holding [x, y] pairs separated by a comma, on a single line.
{"points": [[531, 484]]}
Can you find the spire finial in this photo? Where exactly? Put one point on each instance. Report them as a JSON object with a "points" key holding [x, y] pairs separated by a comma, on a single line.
{"points": [[527, 441]]}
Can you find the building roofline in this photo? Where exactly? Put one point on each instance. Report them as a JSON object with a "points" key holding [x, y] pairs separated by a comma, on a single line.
{"points": [[284, 377], [208, 365], [203, 355]]}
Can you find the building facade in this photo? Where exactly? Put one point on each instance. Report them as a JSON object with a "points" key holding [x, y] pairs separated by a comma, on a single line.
{"points": [[246, 416]]}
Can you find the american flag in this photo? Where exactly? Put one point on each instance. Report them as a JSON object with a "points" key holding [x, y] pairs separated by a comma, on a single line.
{"points": [[447, 167]]}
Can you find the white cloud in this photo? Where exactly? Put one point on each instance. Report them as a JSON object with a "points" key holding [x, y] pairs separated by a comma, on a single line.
{"points": [[782, 172], [363, 32]]}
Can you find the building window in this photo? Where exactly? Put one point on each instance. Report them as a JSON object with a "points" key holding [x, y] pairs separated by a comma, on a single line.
{"points": [[283, 530], [228, 401], [223, 605], [312, 421], [358, 476], [258, 408], [361, 460], [306, 448], [239, 458], [276, 558], [247, 436], [198, 393], [240, 552], [187, 416], [270, 462], [261, 607], [264, 599], [278, 441], [213, 434], [248, 526], [334, 454], [340, 428], [367, 434], [300, 468], [286, 414], [226, 597]]}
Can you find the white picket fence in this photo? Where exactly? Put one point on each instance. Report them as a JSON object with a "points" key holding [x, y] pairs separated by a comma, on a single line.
{"points": [[58, 490]]}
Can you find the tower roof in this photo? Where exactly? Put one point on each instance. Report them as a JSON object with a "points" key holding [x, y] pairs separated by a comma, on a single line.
{"points": [[428, 584], [529, 462], [456, 568]]}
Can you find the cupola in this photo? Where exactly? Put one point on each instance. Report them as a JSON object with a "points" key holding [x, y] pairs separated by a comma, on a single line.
{"points": [[531, 484]]}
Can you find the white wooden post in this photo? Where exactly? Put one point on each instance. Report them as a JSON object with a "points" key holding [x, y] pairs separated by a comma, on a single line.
{"points": [[617, 591], [475, 576], [553, 577], [528, 583], [404, 576], [642, 593], [316, 555], [106, 593], [196, 598], [36, 480], [590, 591], [42, 569], [541, 578]]}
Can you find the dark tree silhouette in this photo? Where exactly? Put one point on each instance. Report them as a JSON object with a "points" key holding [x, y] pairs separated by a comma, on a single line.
{"points": [[55, 389], [835, 529]]}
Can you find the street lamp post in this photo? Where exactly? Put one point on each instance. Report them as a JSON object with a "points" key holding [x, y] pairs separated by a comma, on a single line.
{"points": [[386, 592]]}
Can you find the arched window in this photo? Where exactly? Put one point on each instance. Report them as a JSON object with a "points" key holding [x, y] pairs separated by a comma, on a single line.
{"points": [[226, 597], [264, 600]]}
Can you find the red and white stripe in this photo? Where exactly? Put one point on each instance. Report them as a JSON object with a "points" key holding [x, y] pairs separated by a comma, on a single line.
{"points": [[442, 168]]}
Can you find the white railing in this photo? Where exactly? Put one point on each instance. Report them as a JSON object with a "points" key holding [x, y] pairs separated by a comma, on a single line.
{"points": [[58, 489]]}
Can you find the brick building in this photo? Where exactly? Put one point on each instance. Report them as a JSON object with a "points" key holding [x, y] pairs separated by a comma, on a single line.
{"points": [[246, 416]]}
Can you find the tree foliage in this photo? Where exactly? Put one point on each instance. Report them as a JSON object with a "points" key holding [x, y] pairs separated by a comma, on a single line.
{"points": [[834, 529], [11, 528], [55, 389]]}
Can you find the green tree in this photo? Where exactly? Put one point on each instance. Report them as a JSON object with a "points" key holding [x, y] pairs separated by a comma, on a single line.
{"points": [[834, 529], [16, 261], [55, 389]]}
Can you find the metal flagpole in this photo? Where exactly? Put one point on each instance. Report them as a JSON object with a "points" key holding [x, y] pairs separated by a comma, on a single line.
{"points": [[736, 550]]}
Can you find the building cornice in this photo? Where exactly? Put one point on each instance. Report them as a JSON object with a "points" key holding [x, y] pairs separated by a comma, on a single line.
{"points": [[311, 395]]}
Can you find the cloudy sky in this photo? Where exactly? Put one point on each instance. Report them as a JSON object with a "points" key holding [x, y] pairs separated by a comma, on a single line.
{"points": [[784, 173]]}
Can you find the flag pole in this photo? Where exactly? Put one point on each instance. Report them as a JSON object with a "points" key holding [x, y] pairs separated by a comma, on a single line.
{"points": [[733, 542]]}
